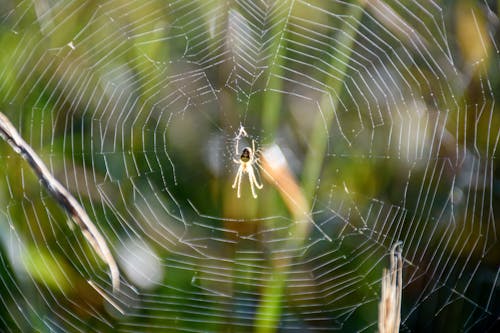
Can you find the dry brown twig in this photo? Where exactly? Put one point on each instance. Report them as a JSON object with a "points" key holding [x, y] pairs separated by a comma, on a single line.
{"points": [[275, 169], [9, 133], [389, 308]]}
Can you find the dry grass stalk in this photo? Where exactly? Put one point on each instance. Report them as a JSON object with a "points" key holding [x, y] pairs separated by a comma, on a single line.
{"points": [[9, 133], [389, 308], [275, 169]]}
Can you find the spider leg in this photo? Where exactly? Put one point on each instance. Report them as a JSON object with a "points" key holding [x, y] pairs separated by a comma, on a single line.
{"points": [[251, 178], [255, 181], [239, 183], [256, 161], [259, 185], [241, 133], [238, 175]]}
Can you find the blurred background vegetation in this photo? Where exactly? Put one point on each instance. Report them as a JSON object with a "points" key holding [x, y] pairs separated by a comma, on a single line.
{"points": [[386, 114]]}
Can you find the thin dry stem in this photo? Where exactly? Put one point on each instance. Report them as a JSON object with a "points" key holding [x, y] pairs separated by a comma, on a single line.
{"points": [[389, 315], [9, 133], [275, 169]]}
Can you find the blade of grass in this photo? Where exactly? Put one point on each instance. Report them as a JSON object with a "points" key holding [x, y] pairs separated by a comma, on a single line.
{"points": [[272, 100], [275, 169], [269, 310], [318, 141]]}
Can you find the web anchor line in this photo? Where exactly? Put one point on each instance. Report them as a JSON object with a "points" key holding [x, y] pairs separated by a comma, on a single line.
{"points": [[9, 133]]}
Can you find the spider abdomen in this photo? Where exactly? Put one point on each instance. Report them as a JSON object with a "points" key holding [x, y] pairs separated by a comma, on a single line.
{"points": [[245, 155]]}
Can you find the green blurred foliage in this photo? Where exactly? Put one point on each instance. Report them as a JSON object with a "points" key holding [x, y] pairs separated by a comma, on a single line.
{"points": [[135, 106]]}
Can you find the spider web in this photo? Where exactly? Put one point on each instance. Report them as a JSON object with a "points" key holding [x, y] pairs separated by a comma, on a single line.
{"points": [[387, 123]]}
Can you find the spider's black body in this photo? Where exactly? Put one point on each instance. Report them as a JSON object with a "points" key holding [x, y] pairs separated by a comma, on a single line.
{"points": [[245, 155]]}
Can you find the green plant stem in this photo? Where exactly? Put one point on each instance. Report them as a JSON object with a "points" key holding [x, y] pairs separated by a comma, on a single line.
{"points": [[318, 141], [272, 103], [269, 310]]}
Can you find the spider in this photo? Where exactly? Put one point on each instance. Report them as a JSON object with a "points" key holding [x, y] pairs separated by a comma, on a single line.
{"points": [[246, 165]]}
